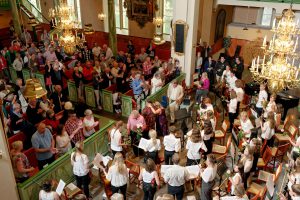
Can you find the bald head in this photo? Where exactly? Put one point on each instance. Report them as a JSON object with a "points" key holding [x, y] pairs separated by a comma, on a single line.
{"points": [[41, 128]]}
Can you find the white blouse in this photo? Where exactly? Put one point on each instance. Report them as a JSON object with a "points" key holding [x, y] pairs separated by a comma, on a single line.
{"points": [[115, 138], [116, 178], [239, 94], [246, 127], [193, 152], [204, 136], [88, 123], [154, 85], [80, 165], [269, 108], [148, 177], [248, 165], [202, 111], [267, 132], [262, 96], [151, 147], [47, 195], [209, 174], [232, 106], [234, 178], [172, 143]]}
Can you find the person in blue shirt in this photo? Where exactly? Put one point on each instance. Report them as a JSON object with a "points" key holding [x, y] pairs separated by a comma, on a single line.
{"points": [[137, 87]]}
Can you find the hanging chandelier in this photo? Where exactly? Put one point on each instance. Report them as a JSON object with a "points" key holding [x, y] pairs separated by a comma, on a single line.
{"points": [[65, 21], [277, 67]]}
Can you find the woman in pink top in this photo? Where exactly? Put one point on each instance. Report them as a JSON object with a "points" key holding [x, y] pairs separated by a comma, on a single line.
{"points": [[203, 88]]}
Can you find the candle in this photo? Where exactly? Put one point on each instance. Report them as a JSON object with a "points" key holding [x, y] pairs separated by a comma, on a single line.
{"points": [[297, 74], [293, 61], [296, 44], [265, 41], [257, 63], [200, 41], [274, 22]]}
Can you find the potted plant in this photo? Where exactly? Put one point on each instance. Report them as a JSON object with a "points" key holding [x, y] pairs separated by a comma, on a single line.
{"points": [[226, 43]]}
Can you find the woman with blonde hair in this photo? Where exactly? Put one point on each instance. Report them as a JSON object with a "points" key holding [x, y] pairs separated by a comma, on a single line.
{"points": [[21, 165], [247, 161], [161, 118], [153, 146], [150, 179], [80, 163], [246, 124], [268, 129], [116, 138], [118, 175]]}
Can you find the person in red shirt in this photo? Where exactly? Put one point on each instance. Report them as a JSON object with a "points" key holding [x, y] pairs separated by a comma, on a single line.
{"points": [[3, 67], [88, 72], [147, 68]]}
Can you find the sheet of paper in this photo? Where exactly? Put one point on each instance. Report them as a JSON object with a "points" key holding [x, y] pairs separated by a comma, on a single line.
{"points": [[98, 158], [264, 176], [194, 171], [105, 160], [270, 185], [164, 168], [254, 113], [60, 187], [143, 144], [191, 198], [228, 198], [71, 186]]}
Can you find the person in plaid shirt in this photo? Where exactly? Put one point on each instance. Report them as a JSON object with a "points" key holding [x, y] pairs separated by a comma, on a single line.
{"points": [[147, 68], [74, 127]]}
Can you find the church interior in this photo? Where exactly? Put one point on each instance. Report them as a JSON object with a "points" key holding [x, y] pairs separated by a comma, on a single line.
{"points": [[149, 99]]}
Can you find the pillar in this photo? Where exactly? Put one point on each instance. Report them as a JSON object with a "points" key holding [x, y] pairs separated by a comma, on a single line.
{"points": [[187, 11], [8, 189], [112, 26], [15, 16], [105, 11]]}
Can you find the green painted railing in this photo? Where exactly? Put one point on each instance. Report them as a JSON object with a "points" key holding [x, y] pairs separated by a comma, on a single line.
{"points": [[157, 96], [61, 168]]}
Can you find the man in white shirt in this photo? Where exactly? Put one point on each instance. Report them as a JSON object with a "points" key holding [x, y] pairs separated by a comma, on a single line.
{"points": [[231, 81], [172, 145], [175, 95], [262, 96], [175, 177], [96, 50], [108, 53]]}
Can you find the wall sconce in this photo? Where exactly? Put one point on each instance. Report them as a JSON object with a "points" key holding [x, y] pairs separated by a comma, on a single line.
{"points": [[101, 16]]}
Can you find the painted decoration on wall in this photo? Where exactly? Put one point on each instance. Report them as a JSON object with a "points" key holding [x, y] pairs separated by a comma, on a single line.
{"points": [[141, 11]]}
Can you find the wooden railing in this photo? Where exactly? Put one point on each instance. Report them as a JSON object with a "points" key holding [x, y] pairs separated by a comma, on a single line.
{"points": [[61, 168]]}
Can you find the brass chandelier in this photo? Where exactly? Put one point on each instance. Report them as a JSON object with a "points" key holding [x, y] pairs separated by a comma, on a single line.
{"points": [[277, 67], [66, 22]]}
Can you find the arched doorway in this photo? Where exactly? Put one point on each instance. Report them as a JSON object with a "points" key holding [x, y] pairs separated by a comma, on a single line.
{"points": [[220, 24]]}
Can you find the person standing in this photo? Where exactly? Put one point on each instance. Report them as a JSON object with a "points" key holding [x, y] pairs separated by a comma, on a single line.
{"points": [[44, 146], [80, 163], [207, 135], [203, 88], [118, 175], [238, 68], [150, 179], [220, 67], [208, 176], [116, 138], [175, 95], [74, 127], [232, 108], [262, 96], [137, 87], [153, 146], [161, 118], [175, 177], [135, 126], [194, 146], [172, 145], [18, 65]]}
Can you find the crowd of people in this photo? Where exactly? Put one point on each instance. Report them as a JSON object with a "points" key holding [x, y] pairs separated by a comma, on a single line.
{"points": [[53, 125]]}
